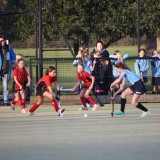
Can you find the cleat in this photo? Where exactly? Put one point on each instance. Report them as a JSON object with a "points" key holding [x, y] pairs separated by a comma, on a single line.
{"points": [[24, 111], [61, 112], [32, 114], [145, 114], [119, 113], [95, 107]]}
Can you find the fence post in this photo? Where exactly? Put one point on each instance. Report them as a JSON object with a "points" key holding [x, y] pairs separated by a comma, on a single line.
{"points": [[40, 37]]}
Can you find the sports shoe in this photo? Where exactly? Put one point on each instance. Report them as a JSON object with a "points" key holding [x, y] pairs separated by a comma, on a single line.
{"points": [[83, 108], [24, 111], [31, 114], [12, 106], [95, 107], [61, 112], [145, 114], [119, 113]]}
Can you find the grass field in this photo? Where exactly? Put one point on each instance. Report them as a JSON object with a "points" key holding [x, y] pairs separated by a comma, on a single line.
{"points": [[73, 137]]}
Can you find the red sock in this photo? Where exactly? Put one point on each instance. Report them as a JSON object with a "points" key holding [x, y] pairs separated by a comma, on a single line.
{"points": [[34, 107], [92, 101], [55, 105], [19, 102], [23, 103], [83, 101]]}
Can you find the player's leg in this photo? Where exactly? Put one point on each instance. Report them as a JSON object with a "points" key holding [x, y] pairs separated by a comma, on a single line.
{"points": [[92, 101], [124, 95], [36, 105], [82, 99], [139, 105], [16, 100], [23, 99], [54, 103], [5, 89]]}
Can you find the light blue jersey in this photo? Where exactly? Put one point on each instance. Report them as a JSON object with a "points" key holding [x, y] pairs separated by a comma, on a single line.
{"points": [[155, 63], [87, 66], [130, 76], [141, 65], [115, 61]]}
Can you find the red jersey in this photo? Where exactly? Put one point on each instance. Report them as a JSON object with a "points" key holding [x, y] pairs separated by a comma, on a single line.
{"points": [[45, 82], [20, 74], [85, 77]]}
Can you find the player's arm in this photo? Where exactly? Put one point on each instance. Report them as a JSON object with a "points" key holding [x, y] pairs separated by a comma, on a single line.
{"points": [[117, 80], [120, 89], [57, 86], [78, 83], [29, 81], [92, 66], [16, 80], [58, 90], [51, 91], [93, 79]]}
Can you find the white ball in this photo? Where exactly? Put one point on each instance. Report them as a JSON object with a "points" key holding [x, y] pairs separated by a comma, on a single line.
{"points": [[85, 115]]}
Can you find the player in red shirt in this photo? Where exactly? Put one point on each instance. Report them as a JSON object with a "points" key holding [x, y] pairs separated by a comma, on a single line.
{"points": [[19, 74], [43, 83], [87, 81]]}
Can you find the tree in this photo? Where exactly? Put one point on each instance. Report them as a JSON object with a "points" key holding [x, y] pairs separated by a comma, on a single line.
{"points": [[92, 20]]}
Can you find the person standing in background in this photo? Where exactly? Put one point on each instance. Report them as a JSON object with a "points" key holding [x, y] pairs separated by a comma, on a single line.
{"points": [[7, 58], [141, 66], [155, 65]]}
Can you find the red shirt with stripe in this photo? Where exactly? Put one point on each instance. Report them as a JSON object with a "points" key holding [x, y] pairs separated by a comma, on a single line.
{"points": [[45, 81], [20, 74], [85, 77]]}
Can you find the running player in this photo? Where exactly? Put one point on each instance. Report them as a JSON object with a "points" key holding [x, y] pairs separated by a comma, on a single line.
{"points": [[19, 73], [43, 83], [137, 89], [87, 85]]}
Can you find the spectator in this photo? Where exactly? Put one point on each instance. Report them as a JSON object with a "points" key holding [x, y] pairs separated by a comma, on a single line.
{"points": [[118, 58], [7, 58], [88, 66], [103, 69], [100, 48], [141, 66], [79, 56], [155, 64]]}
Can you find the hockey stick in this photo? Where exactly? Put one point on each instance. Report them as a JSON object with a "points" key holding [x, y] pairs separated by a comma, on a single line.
{"points": [[97, 99], [112, 92]]}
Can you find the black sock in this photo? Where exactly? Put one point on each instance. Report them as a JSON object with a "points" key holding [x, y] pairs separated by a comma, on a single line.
{"points": [[141, 107], [123, 103]]}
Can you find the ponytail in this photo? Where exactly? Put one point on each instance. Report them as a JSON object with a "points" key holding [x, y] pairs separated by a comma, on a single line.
{"points": [[122, 65]]}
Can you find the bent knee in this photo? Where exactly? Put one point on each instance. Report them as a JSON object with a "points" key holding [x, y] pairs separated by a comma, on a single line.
{"points": [[134, 103]]}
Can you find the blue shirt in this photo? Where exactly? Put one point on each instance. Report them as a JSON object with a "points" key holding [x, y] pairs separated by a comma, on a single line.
{"points": [[87, 66], [155, 67], [130, 76], [142, 65]]}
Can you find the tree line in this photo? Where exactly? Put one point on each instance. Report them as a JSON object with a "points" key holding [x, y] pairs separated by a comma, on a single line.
{"points": [[85, 20]]}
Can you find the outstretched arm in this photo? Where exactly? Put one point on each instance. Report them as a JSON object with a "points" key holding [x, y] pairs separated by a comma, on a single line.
{"points": [[117, 80]]}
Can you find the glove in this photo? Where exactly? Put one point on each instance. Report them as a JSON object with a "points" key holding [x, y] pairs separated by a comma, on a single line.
{"points": [[58, 94]]}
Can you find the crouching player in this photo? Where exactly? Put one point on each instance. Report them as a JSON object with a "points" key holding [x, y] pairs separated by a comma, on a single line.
{"points": [[18, 87], [137, 89], [88, 82], [41, 92]]}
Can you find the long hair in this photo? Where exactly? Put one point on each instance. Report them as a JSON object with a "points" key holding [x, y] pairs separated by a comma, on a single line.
{"points": [[49, 69], [19, 60], [85, 54], [122, 65]]}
